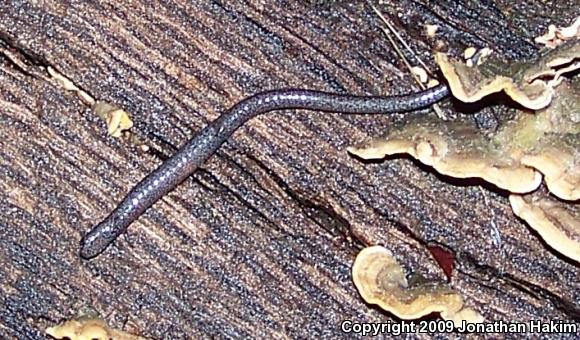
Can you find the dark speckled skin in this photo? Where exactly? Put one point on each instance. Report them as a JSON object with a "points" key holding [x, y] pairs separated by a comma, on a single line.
{"points": [[205, 143]]}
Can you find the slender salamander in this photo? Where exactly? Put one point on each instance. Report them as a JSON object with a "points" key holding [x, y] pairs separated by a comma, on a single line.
{"points": [[205, 143]]}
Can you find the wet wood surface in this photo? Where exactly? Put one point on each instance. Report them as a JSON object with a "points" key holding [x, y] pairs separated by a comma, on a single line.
{"points": [[260, 242]]}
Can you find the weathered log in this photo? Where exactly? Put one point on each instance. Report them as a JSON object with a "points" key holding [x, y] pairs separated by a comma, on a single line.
{"points": [[260, 242]]}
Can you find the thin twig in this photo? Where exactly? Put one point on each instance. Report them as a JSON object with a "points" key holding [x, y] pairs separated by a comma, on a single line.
{"points": [[401, 40], [436, 107]]}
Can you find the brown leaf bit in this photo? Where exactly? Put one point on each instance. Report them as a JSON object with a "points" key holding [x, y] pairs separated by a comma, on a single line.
{"points": [[380, 280], [88, 329], [531, 84], [557, 222]]}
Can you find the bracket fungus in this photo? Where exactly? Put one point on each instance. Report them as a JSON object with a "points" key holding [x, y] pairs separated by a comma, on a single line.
{"points": [[454, 149], [380, 280], [530, 84], [88, 329], [557, 222], [87, 325], [535, 144]]}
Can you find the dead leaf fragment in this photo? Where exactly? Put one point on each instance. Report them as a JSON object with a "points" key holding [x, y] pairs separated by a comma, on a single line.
{"points": [[420, 73], [117, 119], [469, 52], [431, 30]]}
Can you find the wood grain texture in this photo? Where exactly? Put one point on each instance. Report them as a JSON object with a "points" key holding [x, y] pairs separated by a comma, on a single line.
{"points": [[260, 243]]}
